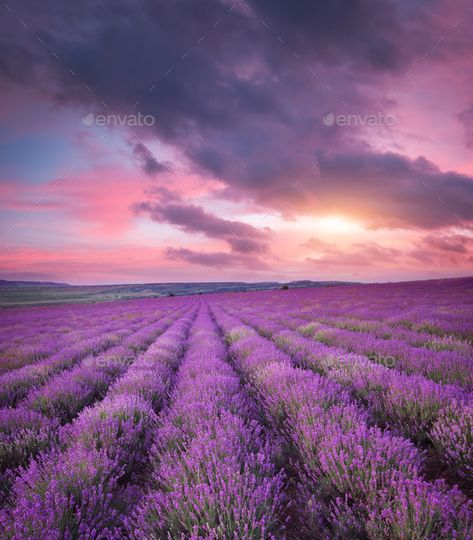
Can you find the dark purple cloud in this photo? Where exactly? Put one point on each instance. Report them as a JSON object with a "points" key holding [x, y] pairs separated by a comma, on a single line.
{"points": [[392, 191], [382, 189], [150, 165], [209, 67], [359, 32], [215, 259], [241, 237], [244, 101]]}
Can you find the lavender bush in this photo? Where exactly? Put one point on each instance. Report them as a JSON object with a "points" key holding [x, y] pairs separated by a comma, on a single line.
{"points": [[326, 413]]}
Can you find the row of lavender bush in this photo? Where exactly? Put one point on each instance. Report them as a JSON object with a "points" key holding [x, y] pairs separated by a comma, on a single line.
{"points": [[41, 333], [34, 425], [441, 365], [15, 384], [444, 366], [410, 404], [358, 481], [437, 309], [382, 329], [213, 475], [83, 488]]}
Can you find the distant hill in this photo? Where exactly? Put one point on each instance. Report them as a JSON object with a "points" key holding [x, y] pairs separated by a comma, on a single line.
{"points": [[308, 283], [4, 283], [17, 293]]}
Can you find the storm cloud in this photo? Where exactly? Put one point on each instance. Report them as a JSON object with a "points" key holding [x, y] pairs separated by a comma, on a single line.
{"points": [[241, 90]]}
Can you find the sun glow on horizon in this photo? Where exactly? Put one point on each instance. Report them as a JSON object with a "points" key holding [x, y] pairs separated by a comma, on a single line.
{"points": [[338, 224]]}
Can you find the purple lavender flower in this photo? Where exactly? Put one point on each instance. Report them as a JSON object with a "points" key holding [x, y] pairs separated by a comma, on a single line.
{"points": [[452, 435]]}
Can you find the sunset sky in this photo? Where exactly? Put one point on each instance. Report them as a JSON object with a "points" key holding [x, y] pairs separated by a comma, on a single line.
{"points": [[202, 140]]}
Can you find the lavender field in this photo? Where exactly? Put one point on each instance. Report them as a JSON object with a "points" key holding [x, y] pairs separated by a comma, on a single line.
{"points": [[338, 412]]}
